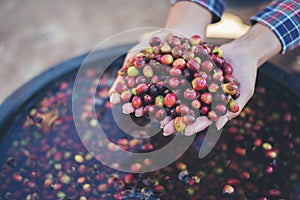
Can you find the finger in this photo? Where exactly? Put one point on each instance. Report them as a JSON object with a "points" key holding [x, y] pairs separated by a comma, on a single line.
{"points": [[200, 124], [127, 108], [169, 128], [139, 112], [222, 121], [112, 90], [165, 121], [241, 101], [115, 98]]}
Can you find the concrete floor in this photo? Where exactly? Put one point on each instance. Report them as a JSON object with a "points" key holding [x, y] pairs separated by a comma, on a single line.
{"points": [[35, 35]]}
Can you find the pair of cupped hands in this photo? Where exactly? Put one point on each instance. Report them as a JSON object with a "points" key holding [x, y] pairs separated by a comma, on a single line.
{"points": [[244, 64]]}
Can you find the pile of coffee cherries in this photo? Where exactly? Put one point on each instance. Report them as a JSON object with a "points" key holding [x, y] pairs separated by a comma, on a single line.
{"points": [[181, 78]]}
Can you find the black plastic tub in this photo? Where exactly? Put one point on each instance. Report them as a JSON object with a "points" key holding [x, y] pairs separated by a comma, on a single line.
{"points": [[42, 157]]}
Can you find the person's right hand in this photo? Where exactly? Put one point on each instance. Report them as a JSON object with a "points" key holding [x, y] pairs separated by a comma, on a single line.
{"points": [[115, 97]]}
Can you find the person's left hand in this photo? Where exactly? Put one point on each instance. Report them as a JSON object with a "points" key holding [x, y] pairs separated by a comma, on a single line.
{"points": [[244, 67]]}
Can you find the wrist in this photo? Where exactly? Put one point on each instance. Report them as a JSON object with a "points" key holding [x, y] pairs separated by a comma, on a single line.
{"points": [[189, 19], [260, 42]]}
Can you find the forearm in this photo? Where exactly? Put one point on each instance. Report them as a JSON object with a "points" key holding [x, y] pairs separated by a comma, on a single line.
{"points": [[259, 42], [189, 18]]}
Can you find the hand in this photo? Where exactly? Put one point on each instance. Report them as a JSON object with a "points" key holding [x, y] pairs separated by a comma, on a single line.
{"points": [[183, 24], [245, 55], [244, 69], [115, 97]]}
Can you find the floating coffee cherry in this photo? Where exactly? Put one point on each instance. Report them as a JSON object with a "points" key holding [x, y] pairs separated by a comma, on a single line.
{"points": [[180, 78]]}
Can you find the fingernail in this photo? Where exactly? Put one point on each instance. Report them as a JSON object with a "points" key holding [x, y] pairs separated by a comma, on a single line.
{"points": [[222, 123], [188, 133], [115, 98], [166, 134]]}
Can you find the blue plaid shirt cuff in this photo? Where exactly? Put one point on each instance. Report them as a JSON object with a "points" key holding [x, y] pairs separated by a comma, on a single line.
{"points": [[283, 18], [215, 6]]}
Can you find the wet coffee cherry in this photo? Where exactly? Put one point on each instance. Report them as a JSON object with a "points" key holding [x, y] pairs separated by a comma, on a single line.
{"points": [[141, 89], [148, 110], [220, 109], [230, 78], [175, 72], [165, 48], [213, 87], [160, 114], [148, 99], [190, 94], [166, 59], [136, 102], [195, 40], [130, 81], [220, 97], [199, 83], [212, 115], [204, 110], [177, 52], [140, 79], [196, 104], [173, 82], [207, 66], [233, 106], [188, 55], [230, 88], [189, 119], [187, 74], [154, 91], [174, 42], [132, 71], [159, 101], [148, 71], [155, 41], [170, 100], [193, 65], [179, 63], [206, 98], [217, 51], [179, 124], [182, 109], [126, 95], [227, 69], [218, 76], [139, 63]]}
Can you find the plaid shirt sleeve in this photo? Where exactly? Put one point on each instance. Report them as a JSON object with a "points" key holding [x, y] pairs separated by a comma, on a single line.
{"points": [[283, 18], [215, 6]]}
